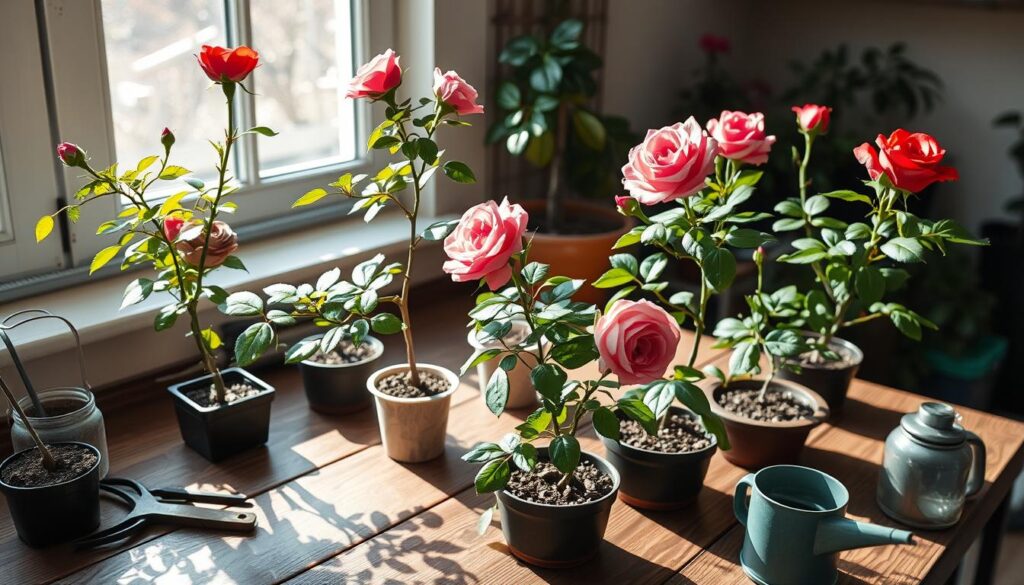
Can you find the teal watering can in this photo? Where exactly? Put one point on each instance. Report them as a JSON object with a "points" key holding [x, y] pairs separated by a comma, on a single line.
{"points": [[795, 526]]}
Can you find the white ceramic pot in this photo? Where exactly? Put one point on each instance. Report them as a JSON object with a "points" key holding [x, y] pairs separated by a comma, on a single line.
{"points": [[413, 429], [520, 388]]}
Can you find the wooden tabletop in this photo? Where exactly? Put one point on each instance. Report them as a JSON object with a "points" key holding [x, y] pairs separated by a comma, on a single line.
{"points": [[333, 508]]}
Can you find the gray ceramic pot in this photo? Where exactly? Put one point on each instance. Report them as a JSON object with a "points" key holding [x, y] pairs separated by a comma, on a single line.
{"points": [[831, 383], [340, 388], [557, 536], [654, 480]]}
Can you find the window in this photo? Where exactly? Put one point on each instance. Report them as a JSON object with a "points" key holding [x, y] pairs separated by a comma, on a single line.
{"points": [[121, 70]]}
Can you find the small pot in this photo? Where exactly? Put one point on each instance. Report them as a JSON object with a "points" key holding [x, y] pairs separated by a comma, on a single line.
{"points": [[217, 432], [413, 430], [557, 537], [339, 388], [83, 423], [520, 387], [55, 513], [654, 480], [831, 383], [757, 444], [578, 255]]}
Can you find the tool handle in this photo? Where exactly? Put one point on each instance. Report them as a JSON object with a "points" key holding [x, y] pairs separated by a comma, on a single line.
{"points": [[184, 495]]}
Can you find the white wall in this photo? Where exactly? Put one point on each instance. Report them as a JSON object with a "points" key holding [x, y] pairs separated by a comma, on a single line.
{"points": [[979, 53]]}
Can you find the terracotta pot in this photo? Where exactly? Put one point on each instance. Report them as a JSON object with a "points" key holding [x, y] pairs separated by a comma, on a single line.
{"points": [[557, 537], [655, 480], [520, 387], [339, 388], [831, 383], [757, 444], [578, 255], [413, 429]]}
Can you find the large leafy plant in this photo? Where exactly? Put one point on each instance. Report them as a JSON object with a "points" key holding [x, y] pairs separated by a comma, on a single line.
{"points": [[544, 115], [182, 237]]}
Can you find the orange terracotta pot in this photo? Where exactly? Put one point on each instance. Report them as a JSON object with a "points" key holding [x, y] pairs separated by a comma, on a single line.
{"points": [[578, 255]]}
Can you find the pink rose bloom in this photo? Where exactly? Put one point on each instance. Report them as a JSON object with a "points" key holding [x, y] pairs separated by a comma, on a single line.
{"points": [[741, 137], [910, 160], [813, 118], [377, 77], [454, 91], [637, 341], [223, 242], [70, 154], [670, 163], [480, 247]]}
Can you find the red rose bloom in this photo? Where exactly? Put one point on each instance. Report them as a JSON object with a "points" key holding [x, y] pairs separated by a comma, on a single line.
{"points": [[221, 64], [813, 118], [910, 160]]}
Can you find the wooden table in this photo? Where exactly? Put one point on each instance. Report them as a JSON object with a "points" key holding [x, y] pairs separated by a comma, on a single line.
{"points": [[334, 509]]}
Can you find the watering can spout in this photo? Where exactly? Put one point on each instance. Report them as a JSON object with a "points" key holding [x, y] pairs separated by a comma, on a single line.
{"points": [[838, 534]]}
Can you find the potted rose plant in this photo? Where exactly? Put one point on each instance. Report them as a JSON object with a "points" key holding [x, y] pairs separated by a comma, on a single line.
{"points": [[767, 420], [412, 398], [184, 239], [555, 499], [855, 265], [707, 174], [53, 491]]}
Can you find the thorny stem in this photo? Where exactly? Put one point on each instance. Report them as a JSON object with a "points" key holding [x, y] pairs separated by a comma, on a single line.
{"points": [[48, 461], [592, 387]]}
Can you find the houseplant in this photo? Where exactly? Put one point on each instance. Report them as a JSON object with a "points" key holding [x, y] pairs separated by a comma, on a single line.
{"points": [[184, 240], [856, 264], [545, 117], [53, 491], [412, 398], [554, 500], [707, 175], [767, 420]]}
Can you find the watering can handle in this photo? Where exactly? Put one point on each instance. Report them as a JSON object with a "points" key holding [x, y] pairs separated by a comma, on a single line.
{"points": [[739, 500], [27, 316], [976, 479]]}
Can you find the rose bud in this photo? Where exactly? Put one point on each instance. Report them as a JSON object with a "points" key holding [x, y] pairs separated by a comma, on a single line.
{"points": [[223, 65], [172, 227], [813, 119], [454, 91], [376, 78], [758, 255], [70, 155], [167, 138]]}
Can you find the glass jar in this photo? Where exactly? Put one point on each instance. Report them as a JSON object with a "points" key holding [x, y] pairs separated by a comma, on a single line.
{"points": [[76, 418]]}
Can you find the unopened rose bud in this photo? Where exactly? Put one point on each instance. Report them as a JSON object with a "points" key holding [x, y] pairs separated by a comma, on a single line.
{"points": [[758, 255], [70, 155], [167, 138]]}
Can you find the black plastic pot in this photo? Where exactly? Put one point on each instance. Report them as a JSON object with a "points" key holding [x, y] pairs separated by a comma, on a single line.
{"points": [[216, 432], [557, 537], [341, 388], [653, 480], [831, 383], [55, 513]]}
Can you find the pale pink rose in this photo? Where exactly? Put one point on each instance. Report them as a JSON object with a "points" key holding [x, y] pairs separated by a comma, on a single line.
{"points": [[670, 163], [454, 91], [223, 242], [377, 77], [741, 137], [637, 341], [480, 247]]}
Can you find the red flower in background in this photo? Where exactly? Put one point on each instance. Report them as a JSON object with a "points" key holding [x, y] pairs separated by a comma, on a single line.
{"points": [[909, 160], [714, 44], [221, 64], [172, 227]]}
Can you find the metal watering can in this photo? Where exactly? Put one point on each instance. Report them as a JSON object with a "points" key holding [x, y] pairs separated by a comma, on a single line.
{"points": [[795, 526]]}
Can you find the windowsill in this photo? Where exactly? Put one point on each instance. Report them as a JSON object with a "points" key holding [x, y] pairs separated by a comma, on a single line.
{"points": [[298, 256]]}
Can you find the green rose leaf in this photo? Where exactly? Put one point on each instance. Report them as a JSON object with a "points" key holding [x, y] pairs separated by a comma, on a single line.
{"points": [[904, 250], [636, 410], [606, 423], [745, 359], [242, 304], [719, 268], [870, 284], [251, 344], [137, 291], [483, 452], [458, 172], [576, 352], [385, 324], [496, 393], [548, 379], [564, 451], [613, 278], [525, 456], [301, 351], [492, 477]]}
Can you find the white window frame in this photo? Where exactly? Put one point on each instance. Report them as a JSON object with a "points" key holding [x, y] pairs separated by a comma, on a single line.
{"points": [[29, 185], [82, 110]]}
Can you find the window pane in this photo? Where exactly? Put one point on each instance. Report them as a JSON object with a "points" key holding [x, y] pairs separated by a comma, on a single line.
{"points": [[155, 81], [305, 54]]}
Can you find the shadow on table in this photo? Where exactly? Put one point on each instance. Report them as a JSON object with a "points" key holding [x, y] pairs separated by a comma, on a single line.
{"points": [[867, 420]]}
